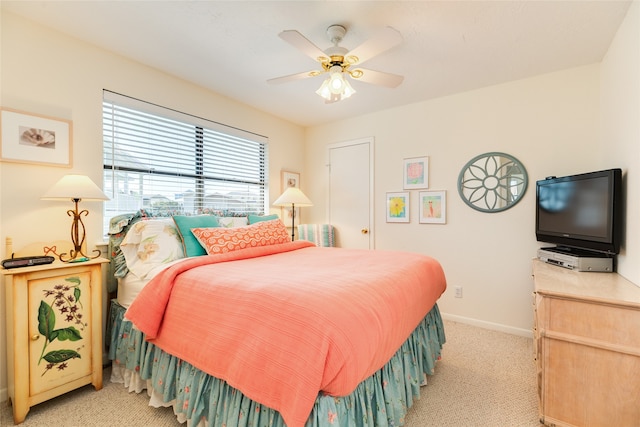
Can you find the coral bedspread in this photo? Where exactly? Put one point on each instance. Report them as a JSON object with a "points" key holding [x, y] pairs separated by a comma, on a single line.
{"points": [[285, 322]]}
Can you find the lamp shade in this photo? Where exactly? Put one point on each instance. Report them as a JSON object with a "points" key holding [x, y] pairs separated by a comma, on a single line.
{"points": [[293, 196], [71, 187]]}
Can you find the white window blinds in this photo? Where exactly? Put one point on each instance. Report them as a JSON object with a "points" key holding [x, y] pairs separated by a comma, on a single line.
{"points": [[168, 162]]}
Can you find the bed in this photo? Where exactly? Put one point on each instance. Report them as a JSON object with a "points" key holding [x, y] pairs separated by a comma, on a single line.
{"points": [[262, 331]]}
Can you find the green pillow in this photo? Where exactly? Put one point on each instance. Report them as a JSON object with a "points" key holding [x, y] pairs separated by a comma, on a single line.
{"points": [[257, 218], [189, 242]]}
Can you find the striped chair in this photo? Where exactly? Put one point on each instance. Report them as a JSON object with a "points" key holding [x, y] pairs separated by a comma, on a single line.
{"points": [[320, 234]]}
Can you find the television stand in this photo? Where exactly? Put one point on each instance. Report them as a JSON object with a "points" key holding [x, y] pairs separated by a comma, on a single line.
{"points": [[586, 347], [577, 259]]}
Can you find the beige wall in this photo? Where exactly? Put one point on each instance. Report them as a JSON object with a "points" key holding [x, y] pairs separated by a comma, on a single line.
{"points": [[49, 73], [549, 123], [561, 123], [620, 138]]}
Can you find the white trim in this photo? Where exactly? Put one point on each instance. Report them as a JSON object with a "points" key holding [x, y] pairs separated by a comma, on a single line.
{"points": [[488, 325]]}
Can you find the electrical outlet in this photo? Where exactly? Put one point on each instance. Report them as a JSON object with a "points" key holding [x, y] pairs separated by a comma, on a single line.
{"points": [[458, 290]]}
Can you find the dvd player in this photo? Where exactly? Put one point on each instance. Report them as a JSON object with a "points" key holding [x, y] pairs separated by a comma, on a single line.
{"points": [[577, 260]]}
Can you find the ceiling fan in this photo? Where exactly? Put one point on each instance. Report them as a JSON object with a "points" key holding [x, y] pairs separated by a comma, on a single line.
{"points": [[340, 62]]}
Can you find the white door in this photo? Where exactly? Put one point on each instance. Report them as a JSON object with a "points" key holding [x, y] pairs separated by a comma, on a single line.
{"points": [[351, 192]]}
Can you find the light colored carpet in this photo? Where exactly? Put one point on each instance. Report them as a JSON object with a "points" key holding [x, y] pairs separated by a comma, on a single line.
{"points": [[485, 379]]}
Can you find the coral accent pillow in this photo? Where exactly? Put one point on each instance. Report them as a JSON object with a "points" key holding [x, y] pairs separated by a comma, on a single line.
{"points": [[222, 240]]}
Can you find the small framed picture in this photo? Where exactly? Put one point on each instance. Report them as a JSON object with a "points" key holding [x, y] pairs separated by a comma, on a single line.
{"points": [[416, 173], [433, 207], [35, 139], [398, 207], [289, 179]]}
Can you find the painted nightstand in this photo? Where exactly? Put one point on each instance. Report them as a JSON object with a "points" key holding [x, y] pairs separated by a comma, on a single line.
{"points": [[54, 331]]}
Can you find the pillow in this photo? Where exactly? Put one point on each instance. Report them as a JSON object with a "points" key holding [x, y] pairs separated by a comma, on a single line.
{"points": [[232, 221], [222, 240], [149, 244], [257, 218], [118, 265], [190, 244]]}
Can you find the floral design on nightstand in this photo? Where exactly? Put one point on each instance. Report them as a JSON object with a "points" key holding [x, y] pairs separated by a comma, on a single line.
{"points": [[65, 300]]}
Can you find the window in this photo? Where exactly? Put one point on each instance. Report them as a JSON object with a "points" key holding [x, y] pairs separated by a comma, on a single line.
{"points": [[169, 162]]}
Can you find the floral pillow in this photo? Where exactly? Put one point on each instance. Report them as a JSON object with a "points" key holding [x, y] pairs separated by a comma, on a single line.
{"points": [[151, 243], [221, 240], [232, 221]]}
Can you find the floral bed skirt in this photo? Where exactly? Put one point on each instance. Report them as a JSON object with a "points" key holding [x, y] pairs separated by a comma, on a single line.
{"points": [[202, 400]]}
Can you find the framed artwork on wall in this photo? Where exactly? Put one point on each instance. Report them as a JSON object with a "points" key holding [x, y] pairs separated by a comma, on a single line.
{"points": [[416, 173], [289, 179], [35, 139], [398, 207], [433, 207]]}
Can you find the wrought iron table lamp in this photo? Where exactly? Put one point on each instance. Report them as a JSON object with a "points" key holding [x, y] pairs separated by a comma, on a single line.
{"points": [[76, 188]]}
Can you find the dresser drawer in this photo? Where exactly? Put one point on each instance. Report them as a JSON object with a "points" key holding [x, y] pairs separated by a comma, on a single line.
{"points": [[613, 324]]}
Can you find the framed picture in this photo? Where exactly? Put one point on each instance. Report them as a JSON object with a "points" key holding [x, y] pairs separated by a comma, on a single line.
{"points": [[433, 207], [289, 179], [398, 207], [29, 138], [416, 173]]}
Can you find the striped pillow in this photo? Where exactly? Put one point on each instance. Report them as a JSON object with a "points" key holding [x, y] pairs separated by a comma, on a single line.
{"points": [[320, 234]]}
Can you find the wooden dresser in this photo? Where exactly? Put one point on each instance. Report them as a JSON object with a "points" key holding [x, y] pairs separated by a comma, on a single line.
{"points": [[587, 347]]}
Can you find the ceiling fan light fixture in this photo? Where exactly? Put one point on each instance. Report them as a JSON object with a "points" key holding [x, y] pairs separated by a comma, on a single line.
{"points": [[336, 81], [324, 90], [337, 60], [348, 90], [335, 87]]}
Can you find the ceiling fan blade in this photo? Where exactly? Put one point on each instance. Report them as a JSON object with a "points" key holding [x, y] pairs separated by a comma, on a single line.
{"points": [[303, 44], [293, 77], [379, 78], [381, 41]]}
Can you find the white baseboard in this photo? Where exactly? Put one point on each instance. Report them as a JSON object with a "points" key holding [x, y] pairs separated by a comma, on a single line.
{"points": [[489, 325]]}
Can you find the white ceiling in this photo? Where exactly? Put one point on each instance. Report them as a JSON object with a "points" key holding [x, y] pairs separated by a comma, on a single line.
{"points": [[233, 48]]}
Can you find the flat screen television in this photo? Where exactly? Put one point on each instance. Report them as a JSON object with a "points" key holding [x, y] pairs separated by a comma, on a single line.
{"points": [[581, 212]]}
